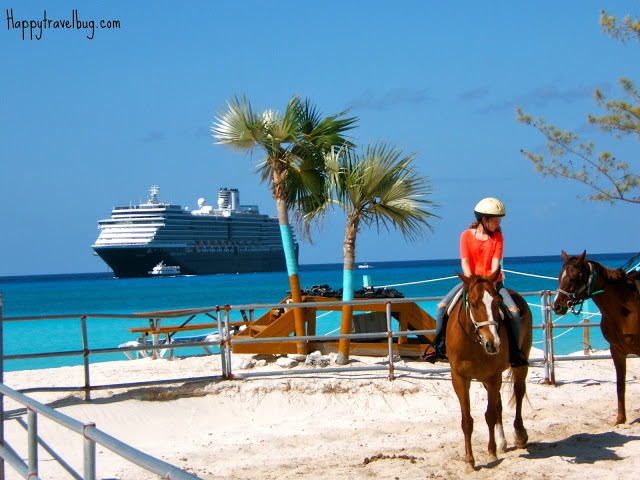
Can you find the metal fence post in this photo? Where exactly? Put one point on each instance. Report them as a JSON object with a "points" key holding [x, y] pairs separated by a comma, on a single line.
{"points": [[227, 338], [552, 369], [32, 442], [89, 455], [85, 347], [544, 310], [221, 344], [1, 381]]}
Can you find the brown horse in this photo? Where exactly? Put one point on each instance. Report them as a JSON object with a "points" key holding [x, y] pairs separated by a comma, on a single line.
{"points": [[477, 347], [616, 296]]}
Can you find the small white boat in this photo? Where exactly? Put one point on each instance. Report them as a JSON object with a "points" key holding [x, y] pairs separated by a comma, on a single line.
{"points": [[162, 269], [365, 265]]}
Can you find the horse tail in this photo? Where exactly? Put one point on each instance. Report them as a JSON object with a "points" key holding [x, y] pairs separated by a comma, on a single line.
{"points": [[510, 382]]}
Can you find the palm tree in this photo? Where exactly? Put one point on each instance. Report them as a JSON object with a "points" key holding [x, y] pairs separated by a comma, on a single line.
{"points": [[378, 187], [295, 143]]}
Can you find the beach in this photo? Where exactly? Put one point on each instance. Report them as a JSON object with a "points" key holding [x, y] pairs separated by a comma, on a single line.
{"points": [[350, 424]]}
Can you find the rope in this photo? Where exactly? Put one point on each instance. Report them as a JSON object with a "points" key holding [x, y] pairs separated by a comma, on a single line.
{"points": [[415, 283], [530, 275], [455, 276]]}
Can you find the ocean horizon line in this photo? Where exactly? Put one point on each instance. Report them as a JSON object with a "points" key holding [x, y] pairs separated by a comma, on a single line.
{"points": [[333, 266]]}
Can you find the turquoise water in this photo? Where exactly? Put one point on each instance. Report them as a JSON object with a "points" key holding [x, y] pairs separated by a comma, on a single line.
{"points": [[102, 294]]}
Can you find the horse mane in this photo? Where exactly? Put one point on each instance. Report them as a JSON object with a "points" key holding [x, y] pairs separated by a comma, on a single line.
{"points": [[611, 274], [616, 275], [477, 279]]}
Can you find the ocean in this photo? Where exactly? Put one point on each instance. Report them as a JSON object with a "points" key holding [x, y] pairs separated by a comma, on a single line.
{"points": [[100, 293]]}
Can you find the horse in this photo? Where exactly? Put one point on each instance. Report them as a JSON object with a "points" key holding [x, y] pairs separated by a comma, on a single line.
{"points": [[477, 348], [616, 295]]}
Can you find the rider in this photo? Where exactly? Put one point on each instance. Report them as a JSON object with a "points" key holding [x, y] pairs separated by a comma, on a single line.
{"points": [[481, 248]]}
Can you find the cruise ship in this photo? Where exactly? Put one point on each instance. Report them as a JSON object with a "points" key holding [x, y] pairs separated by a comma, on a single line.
{"points": [[227, 238]]}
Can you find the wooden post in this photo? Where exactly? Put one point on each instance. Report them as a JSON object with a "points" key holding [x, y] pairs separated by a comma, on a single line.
{"points": [[586, 337], [294, 281]]}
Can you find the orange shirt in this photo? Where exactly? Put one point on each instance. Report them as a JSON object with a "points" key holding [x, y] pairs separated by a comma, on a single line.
{"points": [[481, 252]]}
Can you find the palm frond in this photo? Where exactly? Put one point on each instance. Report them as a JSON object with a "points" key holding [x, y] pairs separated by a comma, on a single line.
{"points": [[238, 126], [381, 187]]}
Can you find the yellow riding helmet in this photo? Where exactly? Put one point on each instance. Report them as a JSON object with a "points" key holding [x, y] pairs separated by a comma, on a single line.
{"points": [[489, 207]]}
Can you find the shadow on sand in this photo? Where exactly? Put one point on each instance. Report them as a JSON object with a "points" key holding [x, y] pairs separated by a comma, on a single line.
{"points": [[581, 448]]}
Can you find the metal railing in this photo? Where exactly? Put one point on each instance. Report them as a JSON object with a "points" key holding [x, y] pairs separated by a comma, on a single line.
{"points": [[91, 436], [225, 344], [226, 339]]}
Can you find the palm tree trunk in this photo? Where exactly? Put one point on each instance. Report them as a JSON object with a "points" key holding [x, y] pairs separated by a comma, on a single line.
{"points": [[348, 273], [292, 267]]}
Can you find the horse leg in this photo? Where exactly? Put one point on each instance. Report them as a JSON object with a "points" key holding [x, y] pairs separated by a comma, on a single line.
{"points": [[519, 392], [461, 386], [493, 415], [620, 362], [501, 439]]}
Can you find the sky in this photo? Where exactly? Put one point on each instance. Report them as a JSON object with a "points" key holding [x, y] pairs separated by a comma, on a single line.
{"points": [[92, 117]]}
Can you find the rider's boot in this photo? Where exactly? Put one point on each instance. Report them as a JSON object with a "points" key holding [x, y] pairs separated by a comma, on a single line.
{"points": [[517, 357], [439, 352]]}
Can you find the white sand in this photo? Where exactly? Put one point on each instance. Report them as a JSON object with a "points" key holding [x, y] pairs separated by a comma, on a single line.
{"points": [[328, 425]]}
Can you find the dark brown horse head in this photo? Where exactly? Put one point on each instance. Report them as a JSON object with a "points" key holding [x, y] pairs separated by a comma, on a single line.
{"points": [[483, 307], [572, 283]]}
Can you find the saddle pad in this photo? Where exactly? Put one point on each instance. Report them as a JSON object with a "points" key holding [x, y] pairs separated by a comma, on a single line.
{"points": [[453, 301]]}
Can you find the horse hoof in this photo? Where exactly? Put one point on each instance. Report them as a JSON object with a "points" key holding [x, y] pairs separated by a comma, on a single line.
{"points": [[521, 438], [620, 421], [493, 458], [502, 447], [470, 467]]}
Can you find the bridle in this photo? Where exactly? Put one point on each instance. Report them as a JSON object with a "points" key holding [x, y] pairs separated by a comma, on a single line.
{"points": [[476, 325], [588, 284]]}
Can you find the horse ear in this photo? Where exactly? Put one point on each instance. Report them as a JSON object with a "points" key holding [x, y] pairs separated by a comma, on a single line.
{"points": [[581, 258], [565, 257], [466, 280]]}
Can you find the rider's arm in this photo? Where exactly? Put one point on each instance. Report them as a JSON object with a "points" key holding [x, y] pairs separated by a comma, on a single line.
{"points": [[495, 263], [466, 267]]}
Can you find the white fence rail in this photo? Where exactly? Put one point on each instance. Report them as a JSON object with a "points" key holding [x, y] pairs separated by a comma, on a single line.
{"points": [[225, 343]]}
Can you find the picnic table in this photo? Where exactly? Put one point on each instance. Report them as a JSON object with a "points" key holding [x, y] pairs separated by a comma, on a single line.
{"points": [[155, 329]]}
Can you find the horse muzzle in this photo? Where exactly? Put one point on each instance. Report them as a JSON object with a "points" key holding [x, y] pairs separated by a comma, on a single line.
{"points": [[490, 347], [560, 309]]}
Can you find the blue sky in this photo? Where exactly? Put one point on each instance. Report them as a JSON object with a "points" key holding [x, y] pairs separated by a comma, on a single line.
{"points": [[87, 124]]}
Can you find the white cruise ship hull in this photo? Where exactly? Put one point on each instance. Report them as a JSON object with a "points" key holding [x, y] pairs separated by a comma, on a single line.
{"points": [[230, 239]]}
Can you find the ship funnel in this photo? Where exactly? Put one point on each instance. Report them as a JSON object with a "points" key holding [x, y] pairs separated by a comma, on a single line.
{"points": [[228, 198], [154, 193]]}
